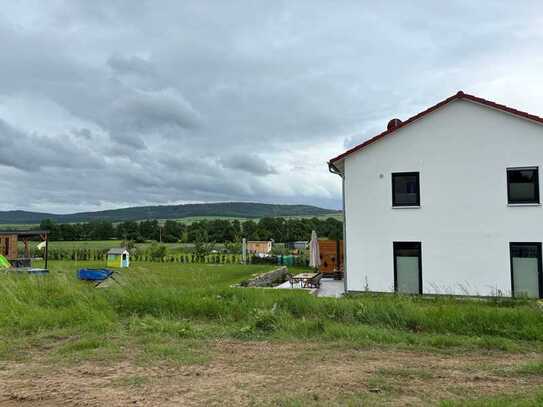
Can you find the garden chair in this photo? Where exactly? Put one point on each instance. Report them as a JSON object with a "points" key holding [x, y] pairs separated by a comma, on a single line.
{"points": [[291, 280], [315, 282]]}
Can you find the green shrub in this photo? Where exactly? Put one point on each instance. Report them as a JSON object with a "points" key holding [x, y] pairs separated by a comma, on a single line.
{"points": [[265, 320], [156, 251]]}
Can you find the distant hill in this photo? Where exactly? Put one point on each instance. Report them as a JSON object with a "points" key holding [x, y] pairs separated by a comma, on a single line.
{"points": [[223, 210]]}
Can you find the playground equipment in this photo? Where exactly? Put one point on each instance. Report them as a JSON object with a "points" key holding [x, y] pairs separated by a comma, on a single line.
{"points": [[9, 250], [118, 258], [4, 263]]}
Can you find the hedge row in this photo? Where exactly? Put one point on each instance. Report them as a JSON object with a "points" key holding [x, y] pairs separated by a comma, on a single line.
{"points": [[101, 254]]}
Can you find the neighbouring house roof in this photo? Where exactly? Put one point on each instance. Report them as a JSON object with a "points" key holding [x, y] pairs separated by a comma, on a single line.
{"points": [[117, 251], [396, 124]]}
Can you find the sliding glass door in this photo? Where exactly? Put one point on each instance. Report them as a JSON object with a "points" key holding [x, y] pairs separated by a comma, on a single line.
{"points": [[526, 270], [408, 267]]}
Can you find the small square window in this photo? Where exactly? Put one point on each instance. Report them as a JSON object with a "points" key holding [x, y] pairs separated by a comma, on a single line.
{"points": [[405, 189], [523, 185]]}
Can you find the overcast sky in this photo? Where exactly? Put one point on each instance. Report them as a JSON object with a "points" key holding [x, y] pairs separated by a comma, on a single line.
{"points": [[108, 104]]}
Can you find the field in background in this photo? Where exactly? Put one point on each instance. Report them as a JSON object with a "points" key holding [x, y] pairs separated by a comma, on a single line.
{"points": [[108, 244], [17, 226], [171, 248], [337, 216], [179, 334]]}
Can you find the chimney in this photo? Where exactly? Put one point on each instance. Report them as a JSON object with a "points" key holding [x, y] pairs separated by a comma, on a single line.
{"points": [[393, 124]]}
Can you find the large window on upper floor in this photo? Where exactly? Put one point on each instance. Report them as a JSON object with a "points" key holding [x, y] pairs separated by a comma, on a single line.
{"points": [[523, 185], [405, 189]]}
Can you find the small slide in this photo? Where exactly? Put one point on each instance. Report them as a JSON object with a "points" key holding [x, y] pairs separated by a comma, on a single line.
{"points": [[4, 263]]}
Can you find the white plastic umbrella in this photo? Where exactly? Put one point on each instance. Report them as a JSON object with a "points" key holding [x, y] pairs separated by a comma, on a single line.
{"points": [[314, 255]]}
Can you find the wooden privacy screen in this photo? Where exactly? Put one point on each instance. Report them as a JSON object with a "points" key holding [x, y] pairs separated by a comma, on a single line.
{"points": [[331, 254], [8, 246]]}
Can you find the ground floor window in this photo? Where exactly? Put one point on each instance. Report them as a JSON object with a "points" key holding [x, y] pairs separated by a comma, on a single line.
{"points": [[526, 270], [408, 267]]}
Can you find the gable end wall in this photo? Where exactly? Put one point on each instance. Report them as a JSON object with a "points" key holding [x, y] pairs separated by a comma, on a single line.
{"points": [[465, 225]]}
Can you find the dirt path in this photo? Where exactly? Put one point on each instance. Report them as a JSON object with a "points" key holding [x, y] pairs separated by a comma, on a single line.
{"points": [[256, 373]]}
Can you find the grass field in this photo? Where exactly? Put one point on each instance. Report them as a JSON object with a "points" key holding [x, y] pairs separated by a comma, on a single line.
{"points": [[337, 216], [175, 334], [108, 244]]}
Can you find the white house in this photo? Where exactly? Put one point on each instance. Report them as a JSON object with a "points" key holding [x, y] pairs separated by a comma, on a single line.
{"points": [[446, 202]]}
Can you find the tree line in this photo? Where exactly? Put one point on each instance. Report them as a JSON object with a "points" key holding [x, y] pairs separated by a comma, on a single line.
{"points": [[215, 230]]}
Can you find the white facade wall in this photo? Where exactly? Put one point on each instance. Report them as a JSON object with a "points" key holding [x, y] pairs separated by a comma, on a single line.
{"points": [[465, 225]]}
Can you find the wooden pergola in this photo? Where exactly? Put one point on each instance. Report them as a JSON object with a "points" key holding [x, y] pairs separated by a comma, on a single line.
{"points": [[9, 244]]}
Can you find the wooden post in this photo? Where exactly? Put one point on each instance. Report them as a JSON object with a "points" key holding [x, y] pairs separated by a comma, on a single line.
{"points": [[27, 251], [244, 251], [46, 249]]}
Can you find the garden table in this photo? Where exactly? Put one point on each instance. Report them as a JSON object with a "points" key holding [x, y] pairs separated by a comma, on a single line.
{"points": [[303, 278]]}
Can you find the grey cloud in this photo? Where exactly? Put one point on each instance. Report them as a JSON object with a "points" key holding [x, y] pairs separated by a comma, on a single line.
{"points": [[83, 133], [139, 112], [193, 100], [248, 163], [31, 152], [131, 65]]}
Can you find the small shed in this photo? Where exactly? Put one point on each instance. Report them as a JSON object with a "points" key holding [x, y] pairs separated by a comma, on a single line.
{"points": [[298, 245], [259, 247], [118, 257]]}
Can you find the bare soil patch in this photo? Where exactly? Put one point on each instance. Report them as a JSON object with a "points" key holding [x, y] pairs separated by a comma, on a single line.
{"points": [[256, 373]]}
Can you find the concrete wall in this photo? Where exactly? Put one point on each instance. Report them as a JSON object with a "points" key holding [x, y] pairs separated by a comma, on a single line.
{"points": [[267, 279], [464, 222]]}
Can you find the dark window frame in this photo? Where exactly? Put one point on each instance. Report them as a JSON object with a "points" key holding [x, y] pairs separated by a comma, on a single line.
{"points": [[401, 174], [540, 264], [394, 255], [537, 199]]}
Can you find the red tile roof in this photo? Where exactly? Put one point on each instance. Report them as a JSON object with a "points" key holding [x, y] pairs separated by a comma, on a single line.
{"points": [[460, 95]]}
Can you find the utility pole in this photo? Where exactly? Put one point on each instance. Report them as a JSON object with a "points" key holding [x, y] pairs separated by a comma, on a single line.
{"points": [[244, 251]]}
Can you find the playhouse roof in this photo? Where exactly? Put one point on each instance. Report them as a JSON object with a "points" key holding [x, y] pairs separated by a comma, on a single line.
{"points": [[117, 250]]}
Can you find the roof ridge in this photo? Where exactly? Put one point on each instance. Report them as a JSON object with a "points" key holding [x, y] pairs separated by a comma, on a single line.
{"points": [[458, 95]]}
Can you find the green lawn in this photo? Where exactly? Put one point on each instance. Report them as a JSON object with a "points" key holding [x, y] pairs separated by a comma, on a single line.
{"points": [[518, 400], [91, 244], [179, 313], [201, 297]]}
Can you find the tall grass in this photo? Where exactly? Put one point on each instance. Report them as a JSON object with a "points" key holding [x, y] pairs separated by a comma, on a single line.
{"points": [[34, 303], [179, 298], [403, 313]]}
